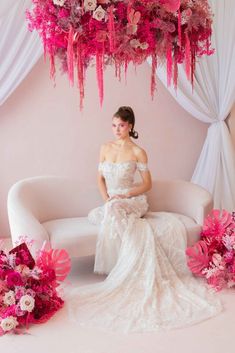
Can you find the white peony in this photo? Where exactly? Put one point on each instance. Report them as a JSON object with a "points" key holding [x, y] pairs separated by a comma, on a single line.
{"points": [[59, 2], [9, 323], [9, 298], [27, 303], [90, 5], [99, 13]]}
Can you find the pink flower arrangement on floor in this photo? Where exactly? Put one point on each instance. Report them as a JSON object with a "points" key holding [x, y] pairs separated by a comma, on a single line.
{"points": [[120, 32], [213, 256], [28, 287]]}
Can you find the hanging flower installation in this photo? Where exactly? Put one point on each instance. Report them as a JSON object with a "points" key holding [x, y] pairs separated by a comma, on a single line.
{"points": [[120, 32]]}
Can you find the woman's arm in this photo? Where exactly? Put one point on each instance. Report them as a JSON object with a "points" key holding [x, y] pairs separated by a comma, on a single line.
{"points": [[146, 177], [100, 178]]}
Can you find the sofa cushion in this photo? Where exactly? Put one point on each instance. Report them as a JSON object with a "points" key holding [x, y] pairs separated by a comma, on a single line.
{"points": [[78, 236]]}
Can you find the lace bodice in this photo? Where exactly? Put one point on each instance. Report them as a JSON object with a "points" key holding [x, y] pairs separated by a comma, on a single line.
{"points": [[119, 177]]}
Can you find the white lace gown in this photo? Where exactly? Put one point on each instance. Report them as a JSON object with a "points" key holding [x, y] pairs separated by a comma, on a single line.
{"points": [[149, 286]]}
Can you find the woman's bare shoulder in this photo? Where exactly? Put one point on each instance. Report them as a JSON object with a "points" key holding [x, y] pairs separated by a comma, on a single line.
{"points": [[140, 153], [106, 145]]}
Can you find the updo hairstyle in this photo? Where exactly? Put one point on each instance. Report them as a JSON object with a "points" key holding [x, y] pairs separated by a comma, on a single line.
{"points": [[126, 114]]}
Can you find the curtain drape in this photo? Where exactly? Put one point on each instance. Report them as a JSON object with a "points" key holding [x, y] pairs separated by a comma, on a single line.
{"points": [[19, 48], [211, 101]]}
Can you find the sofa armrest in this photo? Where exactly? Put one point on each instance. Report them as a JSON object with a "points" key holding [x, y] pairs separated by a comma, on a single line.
{"points": [[182, 197], [22, 222], [33, 201]]}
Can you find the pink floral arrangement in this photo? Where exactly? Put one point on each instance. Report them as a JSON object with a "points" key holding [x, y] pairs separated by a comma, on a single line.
{"points": [[119, 32], [213, 256], [28, 286]]}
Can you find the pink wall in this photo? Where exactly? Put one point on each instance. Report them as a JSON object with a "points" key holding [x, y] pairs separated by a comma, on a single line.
{"points": [[43, 132]]}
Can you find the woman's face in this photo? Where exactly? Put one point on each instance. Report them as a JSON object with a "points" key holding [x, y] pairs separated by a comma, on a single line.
{"points": [[120, 128]]}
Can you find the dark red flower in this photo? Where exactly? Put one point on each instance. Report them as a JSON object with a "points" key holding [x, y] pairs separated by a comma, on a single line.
{"points": [[23, 255]]}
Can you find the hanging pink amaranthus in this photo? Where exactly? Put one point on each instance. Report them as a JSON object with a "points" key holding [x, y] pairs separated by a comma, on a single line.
{"points": [[119, 32]]}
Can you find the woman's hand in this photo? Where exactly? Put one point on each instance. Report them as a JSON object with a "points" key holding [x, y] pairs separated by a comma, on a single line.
{"points": [[118, 196]]}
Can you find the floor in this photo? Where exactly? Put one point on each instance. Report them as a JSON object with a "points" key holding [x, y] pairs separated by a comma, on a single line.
{"points": [[61, 336]]}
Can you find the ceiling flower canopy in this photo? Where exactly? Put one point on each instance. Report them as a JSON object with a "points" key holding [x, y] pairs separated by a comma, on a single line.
{"points": [[120, 32]]}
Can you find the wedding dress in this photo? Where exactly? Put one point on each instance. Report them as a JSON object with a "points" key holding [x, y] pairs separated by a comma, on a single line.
{"points": [[148, 286]]}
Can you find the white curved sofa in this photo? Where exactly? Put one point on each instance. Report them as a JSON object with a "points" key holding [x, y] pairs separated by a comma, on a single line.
{"points": [[55, 208]]}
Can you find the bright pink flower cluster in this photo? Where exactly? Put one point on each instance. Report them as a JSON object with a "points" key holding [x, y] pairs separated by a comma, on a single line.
{"points": [[120, 32], [213, 256], [28, 287]]}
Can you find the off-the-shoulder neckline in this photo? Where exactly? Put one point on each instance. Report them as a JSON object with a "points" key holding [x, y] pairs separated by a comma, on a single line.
{"points": [[123, 162]]}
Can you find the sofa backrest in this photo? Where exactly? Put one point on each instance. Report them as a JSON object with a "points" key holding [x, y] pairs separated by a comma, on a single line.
{"points": [[50, 197]]}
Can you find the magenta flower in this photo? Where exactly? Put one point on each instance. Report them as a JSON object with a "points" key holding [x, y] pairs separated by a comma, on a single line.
{"points": [[14, 279], [63, 13]]}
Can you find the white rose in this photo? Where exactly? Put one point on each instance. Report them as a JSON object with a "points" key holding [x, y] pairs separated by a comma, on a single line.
{"points": [[9, 298], [99, 13], [27, 303], [59, 2], [9, 323], [90, 5]]}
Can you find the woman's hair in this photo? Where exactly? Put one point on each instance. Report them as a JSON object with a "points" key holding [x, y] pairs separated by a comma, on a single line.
{"points": [[126, 114]]}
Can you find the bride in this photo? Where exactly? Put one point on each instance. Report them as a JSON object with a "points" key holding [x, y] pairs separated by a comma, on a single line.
{"points": [[148, 285]]}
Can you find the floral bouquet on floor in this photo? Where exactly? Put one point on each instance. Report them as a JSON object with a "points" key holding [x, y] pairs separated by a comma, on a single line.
{"points": [[213, 256], [28, 286]]}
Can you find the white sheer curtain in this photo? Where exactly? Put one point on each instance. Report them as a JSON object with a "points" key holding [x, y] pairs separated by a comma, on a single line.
{"points": [[211, 102], [19, 48]]}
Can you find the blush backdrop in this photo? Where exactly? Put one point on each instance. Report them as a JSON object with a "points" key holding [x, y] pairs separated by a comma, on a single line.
{"points": [[43, 132]]}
